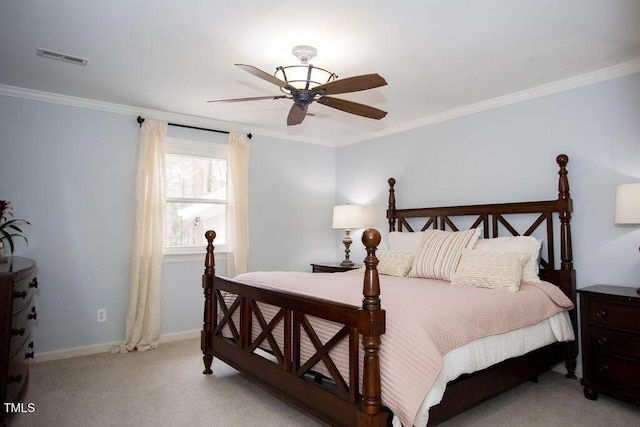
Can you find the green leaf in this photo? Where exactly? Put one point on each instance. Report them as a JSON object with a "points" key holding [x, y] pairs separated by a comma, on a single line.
{"points": [[13, 222], [15, 227], [8, 236]]}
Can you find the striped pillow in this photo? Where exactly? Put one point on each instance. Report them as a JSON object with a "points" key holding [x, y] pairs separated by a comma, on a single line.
{"points": [[440, 253], [488, 269]]}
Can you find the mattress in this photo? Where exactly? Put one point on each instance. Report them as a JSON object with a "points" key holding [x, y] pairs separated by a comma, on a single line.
{"points": [[484, 352]]}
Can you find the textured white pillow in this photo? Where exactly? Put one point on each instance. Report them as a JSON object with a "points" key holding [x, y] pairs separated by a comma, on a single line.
{"points": [[440, 253], [495, 270], [395, 263], [405, 241], [524, 244]]}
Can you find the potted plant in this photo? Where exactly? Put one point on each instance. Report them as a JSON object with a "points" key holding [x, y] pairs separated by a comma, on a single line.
{"points": [[9, 228]]}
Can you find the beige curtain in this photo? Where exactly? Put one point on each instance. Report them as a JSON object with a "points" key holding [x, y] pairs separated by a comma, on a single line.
{"points": [[238, 218], [143, 316]]}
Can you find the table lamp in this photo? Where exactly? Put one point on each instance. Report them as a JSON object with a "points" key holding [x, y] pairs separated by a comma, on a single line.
{"points": [[628, 206], [347, 217]]}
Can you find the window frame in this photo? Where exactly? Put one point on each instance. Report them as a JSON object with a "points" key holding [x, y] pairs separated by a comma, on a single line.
{"points": [[202, 149]]}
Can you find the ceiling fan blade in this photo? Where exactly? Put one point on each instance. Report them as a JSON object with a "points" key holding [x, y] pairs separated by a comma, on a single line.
{"points": [[352, 84], [352, 107], [254, 98], [265, 76], [296, 115]]}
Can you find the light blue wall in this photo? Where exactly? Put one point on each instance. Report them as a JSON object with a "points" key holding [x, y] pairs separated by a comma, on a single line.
{"points": [[292, 192], [71, 172], [508, 154]]}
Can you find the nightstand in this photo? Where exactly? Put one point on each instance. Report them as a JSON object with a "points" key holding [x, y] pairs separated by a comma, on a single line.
{"points": [[610, 322], [332, 267]]}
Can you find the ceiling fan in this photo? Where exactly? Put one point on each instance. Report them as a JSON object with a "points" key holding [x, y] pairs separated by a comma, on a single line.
{"points": [[305, 83]]}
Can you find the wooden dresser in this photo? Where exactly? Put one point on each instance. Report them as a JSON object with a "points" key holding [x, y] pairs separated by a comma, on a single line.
{"points": [[610, 321], [17, 284]]}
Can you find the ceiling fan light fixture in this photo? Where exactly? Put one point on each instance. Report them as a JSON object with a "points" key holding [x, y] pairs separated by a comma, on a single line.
{"points": [[305, 75]]}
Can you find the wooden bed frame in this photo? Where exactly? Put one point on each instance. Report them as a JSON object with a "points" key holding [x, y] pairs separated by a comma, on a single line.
{"points": [[341, 401]]}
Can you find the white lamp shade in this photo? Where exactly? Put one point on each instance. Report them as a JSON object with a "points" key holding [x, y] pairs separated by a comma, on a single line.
{"points": [[628, 204], [347, 216]]}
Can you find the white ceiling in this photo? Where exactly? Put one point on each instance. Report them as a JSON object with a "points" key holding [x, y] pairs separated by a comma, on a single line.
{"points": [[441, 58]]}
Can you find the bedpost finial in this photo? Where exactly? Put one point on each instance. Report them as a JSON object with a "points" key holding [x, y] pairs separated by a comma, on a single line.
{"points": [[210, 261], [371, 238], [391, 216], [562, 160], [371, 286]]}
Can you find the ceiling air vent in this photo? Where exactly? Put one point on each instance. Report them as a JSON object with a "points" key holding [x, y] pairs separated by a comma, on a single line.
{"points": [[62, 57]]}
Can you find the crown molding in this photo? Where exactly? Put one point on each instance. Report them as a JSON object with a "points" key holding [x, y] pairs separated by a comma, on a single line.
{"points": [[72, 101], [581, 80]]}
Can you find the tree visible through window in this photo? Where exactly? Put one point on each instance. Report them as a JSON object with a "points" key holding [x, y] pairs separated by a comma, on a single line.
{"points": [[195, 193]]}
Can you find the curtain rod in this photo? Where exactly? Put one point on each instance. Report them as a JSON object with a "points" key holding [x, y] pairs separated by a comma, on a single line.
{"points": [[140, 120]]}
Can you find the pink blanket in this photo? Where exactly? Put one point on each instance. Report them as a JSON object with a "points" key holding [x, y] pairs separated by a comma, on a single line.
{"points": [[425, 320]]}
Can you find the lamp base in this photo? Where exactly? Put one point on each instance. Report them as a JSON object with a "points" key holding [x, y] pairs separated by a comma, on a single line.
{"points": [[347, 243]]}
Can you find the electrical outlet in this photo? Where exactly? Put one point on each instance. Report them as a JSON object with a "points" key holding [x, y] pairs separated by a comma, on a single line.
{"points": [[101, 315]]}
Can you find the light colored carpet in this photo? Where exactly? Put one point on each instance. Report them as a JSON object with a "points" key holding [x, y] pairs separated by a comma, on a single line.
{"points": [[165, 387], [554, 401]]}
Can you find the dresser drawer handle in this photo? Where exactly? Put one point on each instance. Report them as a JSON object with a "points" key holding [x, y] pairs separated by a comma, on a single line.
{"points": [[31, 344], [602, 340], [28, 355], [15, 378], [17, 332], [604, 369], [602, 314], [33, 315], [22, 294], [34, 283]]}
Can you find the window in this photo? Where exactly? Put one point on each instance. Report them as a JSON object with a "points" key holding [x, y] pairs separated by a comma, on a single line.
{"points": [[195, 194]]}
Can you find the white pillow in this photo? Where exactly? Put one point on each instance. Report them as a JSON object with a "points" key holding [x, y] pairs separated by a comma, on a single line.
{"points": [[486, 269], [524, 244], [440, 253], [405, 241], [395, 263]]}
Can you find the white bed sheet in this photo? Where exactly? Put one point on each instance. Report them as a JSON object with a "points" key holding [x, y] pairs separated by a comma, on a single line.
{"points": [[484, 352]]}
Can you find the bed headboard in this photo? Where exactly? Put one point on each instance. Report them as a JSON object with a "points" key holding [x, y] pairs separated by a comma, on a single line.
{"points": [[496, 219]]}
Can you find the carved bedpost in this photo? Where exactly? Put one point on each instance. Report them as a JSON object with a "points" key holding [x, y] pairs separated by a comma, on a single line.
{"points": [[567, 273], [391, 215], [564, 197], [209, 303], [373, 327]]}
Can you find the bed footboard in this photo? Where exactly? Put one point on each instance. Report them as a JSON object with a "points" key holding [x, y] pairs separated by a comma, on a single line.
{"points": [[237, 331]]}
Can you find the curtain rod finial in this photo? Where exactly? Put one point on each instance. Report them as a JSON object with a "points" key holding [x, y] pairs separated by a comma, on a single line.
{"points": [[140, 120]]}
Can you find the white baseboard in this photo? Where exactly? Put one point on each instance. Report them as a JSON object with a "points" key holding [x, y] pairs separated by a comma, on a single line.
{"points": [[179, 336], [86, 350]]}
